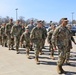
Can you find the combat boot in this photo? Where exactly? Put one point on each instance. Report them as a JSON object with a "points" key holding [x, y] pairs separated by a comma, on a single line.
{"points": [[9, 47], [12, 47], [27, 53], [62, 69], [52, 57], [17, 51], [67, 62], [40, 53], [37, 61], [59, 69], [5, 44], [28, 56]]}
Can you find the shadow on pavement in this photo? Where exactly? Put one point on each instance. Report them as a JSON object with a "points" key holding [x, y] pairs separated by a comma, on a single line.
{"points": [[47, 63], [70, 73]]}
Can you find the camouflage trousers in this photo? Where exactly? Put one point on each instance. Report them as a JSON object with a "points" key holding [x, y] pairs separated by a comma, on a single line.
{"points": [[4, 40], [68, 54], [27, 47], [17, 42], [0, 40], [51, 49], [43, 43], [37, 47], [10, 41], [62, 55]]}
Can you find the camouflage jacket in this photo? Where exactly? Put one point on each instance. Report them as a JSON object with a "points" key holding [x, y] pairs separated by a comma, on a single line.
{"points": [[44, 33], [3, 31], [49, 36], [62, 35], [8, 28], [16, 30], [71, 39], [25, 37], [36, 34], [30, 27]]}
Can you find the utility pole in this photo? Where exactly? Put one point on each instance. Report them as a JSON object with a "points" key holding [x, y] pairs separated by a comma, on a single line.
{"points": [[72, 17], [16, 13]]}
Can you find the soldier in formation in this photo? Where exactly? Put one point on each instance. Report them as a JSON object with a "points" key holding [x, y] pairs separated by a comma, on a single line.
{"points": [[30, 27], [49, 40], [3, 35], [8, 28], [62, 35], [26, 37], [16, 32], [36, 38], [71, 39]]}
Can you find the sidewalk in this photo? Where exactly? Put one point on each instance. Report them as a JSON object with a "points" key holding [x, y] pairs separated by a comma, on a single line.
{"points": [[18, 64]]}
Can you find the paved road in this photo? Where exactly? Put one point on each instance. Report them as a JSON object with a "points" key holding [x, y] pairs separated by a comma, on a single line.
{"points": [[18, 64]]}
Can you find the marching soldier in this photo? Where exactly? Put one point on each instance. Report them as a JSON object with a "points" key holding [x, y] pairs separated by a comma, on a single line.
{"points": [[70, 45], [7, 31], [23, 30], [44, 34], [4, 37], [30, 27], [49, 41], [16, 31], [26, 37], [36, 38], [0, 36], [62, 35]]}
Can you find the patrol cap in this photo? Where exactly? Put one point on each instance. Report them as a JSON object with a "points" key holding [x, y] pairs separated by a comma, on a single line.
{"points": [[26, 28], [39, 21], [64, 19], [52, 23], [11, 19]]}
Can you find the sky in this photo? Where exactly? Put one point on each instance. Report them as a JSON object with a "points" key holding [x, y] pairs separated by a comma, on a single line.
{"points": [[48, 10]]}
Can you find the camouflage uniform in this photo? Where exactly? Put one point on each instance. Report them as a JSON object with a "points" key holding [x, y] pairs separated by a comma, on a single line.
{"points": [[16, 31], [69, 47], [44, 36], [7, 31], [49, 29], [30, 27], [36, 38], [26, 37], [4, 37], [0, 37], [62, 35], [23, 30], [49, 41]]}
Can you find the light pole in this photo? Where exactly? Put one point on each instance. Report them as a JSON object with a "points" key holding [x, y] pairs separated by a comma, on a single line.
{"points": [[72, 17], [16, 13]]}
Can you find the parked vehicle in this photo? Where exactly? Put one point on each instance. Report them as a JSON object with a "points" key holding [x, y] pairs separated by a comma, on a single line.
{"points": [[73, 30]]}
